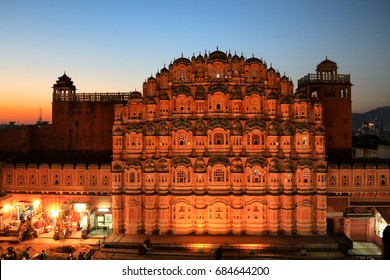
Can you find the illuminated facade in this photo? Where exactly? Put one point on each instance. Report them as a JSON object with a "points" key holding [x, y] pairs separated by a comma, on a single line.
{"points": [[215, 144], [219, 144]]}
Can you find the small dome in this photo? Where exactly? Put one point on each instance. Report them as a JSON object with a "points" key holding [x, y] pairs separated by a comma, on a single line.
{"points": [[135, 95], [305, 163], [200, 96], [217, 55], [151, 79], [320, 131], [254, 60], [301, 127], [255, 124], [236, 96], [256, 161], [322, 168], [273, 95], [164, 96], [327, 65], [149, 166], [150, 100], [253, 90], [181, 124], [134, 127], [64, 81], [117, 168], [200, 128], [271, 71], [285, 100], [182, 60], [219, 160], [288, 129], [199, 59], [164, 70], [235, 58], [215, 123], [118, 132], [150, 130]]}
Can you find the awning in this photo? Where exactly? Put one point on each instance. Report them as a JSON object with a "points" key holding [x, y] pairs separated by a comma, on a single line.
{"points": [[385, 213]]}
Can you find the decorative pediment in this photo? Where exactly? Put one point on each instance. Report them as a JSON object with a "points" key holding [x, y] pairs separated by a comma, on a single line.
{"points": [[254, 89], [255, 124], [221, 123], [200, 128], [181, 161], [181, 90], [219, 160], [149, 166], [256, 161], [217, 88], [181, 124], [150, 129], [134, 127]]}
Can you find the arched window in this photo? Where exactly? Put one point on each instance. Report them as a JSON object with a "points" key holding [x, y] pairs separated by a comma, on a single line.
{"points": [[218, 139], [219, 175], [181, 139], [256, 177], [305, 177], [181, 176], [255, 139], [132, 177]]}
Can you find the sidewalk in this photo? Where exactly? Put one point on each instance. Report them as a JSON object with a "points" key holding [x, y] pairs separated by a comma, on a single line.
{"points": [[94, 234]]}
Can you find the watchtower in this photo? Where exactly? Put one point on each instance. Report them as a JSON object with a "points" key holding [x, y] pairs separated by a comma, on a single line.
{"points": [[333, 90]]}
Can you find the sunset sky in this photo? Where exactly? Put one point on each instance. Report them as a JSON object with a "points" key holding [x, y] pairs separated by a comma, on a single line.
{"points": [[111, 46]]}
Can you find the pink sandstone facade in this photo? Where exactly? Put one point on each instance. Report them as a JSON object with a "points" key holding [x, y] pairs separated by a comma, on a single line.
{"points": [[219, 144], [216, 144]]}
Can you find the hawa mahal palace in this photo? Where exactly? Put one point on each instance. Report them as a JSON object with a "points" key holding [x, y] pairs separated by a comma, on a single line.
{"points": [[217, 144]]}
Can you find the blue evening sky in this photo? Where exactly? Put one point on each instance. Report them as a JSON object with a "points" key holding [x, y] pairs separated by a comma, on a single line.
{"points": [[115, 45]]}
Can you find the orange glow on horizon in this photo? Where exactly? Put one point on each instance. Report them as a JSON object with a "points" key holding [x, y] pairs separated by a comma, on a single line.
{"points": [[24, 113]]}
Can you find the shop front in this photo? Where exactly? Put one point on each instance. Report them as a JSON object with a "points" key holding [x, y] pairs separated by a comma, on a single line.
{"points": [[103, 218]]}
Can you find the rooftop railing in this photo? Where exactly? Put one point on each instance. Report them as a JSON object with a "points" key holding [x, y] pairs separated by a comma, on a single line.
{"points": [[325, 79], [95, 97]]}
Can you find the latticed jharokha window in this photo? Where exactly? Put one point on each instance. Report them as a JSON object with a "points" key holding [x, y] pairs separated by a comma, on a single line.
{"points": [[256, 176], [181, 177], [219, 175], [181, 139], [255, 139], [305, 177], [218, 139]]}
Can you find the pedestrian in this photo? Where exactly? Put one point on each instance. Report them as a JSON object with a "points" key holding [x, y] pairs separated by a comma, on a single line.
{"points": [[147, 241], [218, 253], [43, 255]]}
